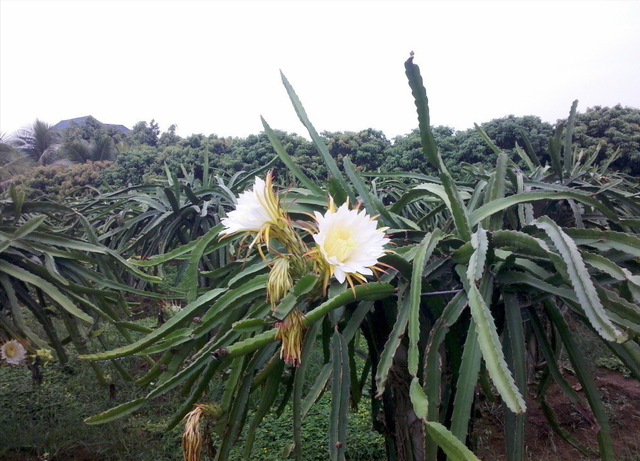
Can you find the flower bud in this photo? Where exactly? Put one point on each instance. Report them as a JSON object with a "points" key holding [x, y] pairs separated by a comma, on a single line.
{"points": [[279, 282]]}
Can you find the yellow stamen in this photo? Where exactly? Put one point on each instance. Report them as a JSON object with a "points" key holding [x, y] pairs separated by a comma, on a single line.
{"points": [[340, 244]]}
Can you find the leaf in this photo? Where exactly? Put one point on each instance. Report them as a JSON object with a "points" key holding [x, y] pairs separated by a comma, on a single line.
{"points": [[411, 196], [16, 314], [501, 204], [299, 382], [529, 148], [492, 350], [366, 292], [248, 325], [182, 250], [581, 281], [430, 149], [433, 361], [523, 155], [418, 399], [270, 392], [173, 201], [191, 274], [288, 160], [395, 337], [513, 277], [369, 200], [520, 242], [517, 360], [568, 154], [116, 412], [605, 240], [64, 242], [496, 191], [316, 388], [554, 151], [301, 288], [174, 323], [609, 267], [480, 244], [584, 374], [423, 253], [466, 384], [339, 398], [63, 301], [28, 227], [452, 446], [196, 393], [229, 303], [317, 140]]}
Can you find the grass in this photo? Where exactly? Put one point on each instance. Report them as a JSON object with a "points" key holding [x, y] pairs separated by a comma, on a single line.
{"points": [[47, 418]]}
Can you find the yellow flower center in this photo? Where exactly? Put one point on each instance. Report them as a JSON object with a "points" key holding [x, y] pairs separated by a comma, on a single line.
{"points": [[340, 243], [11, 351]]}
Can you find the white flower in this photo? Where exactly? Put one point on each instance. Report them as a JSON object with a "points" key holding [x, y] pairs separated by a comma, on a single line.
{"points": [[13, 352], [254, 209], [349, 241]]}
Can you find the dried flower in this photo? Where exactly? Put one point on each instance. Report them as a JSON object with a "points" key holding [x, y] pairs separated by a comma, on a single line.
{"points": [[349, 242], [13, 352], [192, 439], [290, 332]]}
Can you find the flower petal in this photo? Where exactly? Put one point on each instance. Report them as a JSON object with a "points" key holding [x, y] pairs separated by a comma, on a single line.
{"points": [[349, 241]]}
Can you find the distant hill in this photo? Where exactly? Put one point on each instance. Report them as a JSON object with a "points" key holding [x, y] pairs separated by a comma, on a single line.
{"points": [[63, 124]]}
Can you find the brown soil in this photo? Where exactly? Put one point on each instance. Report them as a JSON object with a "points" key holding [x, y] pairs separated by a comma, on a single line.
{"points": [[621, 397]]}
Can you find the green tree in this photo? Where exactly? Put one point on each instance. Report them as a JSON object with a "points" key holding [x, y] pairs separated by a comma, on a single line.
{"points": [[12, 161], [169, 137], [505, 132], [130, 167], [92, 130], [143, 133], [80, 151], [61, 182], [616, 129], [38, 142], [365, 148], [406, 152]]}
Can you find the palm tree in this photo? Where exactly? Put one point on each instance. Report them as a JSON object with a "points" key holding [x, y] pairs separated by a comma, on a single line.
{"points": [[81, 151], [12, 161], [39, 138]]}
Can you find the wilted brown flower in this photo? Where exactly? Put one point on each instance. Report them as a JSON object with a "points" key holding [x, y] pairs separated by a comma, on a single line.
{"points": [[291, 332], [192, 439]]}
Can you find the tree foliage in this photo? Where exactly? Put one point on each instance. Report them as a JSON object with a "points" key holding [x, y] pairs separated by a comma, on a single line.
{"points": [[615, 131], [59, 183], [12, 161], [37, 141], [145, 133]]}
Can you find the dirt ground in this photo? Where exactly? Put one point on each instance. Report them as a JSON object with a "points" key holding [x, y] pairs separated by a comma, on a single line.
{"points": [[621, 397]]}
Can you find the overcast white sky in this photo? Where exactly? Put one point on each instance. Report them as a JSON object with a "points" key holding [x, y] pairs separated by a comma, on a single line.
{"points": [[213, 66]]}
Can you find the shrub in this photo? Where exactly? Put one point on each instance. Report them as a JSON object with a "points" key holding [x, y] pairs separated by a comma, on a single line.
{"points": [[56, 182]]}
